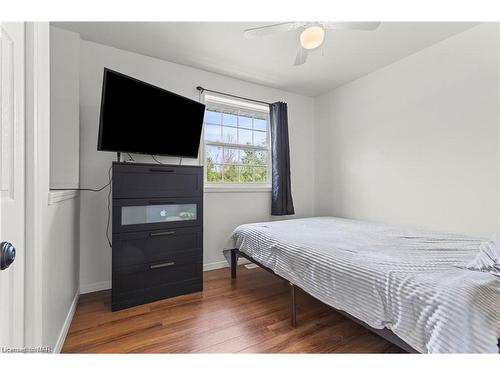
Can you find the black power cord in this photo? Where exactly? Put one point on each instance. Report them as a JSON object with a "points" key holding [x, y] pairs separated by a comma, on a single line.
{"points": [[159, 162], [87, 189], [156, 160], [110, 180]]}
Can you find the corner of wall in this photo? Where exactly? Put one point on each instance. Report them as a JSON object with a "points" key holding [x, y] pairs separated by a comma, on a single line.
{"points": [[498, 121], [320, 158]]}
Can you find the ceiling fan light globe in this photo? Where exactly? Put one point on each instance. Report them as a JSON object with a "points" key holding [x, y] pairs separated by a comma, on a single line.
{"points": [[312, 37]]}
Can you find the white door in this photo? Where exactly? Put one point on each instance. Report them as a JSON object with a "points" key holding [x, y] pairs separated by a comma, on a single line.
{"points": [[12, 183]]}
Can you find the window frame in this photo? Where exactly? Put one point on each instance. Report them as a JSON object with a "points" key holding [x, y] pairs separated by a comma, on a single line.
{"points": [[245, 106]]}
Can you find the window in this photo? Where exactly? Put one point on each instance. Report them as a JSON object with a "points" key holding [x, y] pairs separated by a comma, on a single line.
{"points": [[237, 143]]}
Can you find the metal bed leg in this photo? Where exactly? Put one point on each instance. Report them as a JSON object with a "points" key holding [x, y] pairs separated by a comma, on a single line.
{"points": [[233, 263], [293, 310]]}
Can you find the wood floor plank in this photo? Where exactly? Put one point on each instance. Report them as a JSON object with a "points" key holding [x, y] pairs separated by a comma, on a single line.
{"points": [[246, 315]]}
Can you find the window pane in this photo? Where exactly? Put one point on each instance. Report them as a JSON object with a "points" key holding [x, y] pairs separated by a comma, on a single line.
{"points": [[235, 127], [230, 173], [260, 174], [259, 138], [231, 155], [213, 117], [246, 174], [259, 124], [229, 135], [245, 122], [229, 119], [247, 157], [212, 133], [214, 155], [245, 137], [214, 173], [260, 158]]}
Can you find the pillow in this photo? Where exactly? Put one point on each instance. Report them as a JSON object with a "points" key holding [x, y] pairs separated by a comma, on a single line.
{"points": [[488, 258]]}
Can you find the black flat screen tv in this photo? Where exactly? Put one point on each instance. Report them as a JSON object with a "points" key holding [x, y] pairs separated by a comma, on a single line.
{"points": [[141, 118]]}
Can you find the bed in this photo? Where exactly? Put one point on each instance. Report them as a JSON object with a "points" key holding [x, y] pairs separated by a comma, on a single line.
{"points": [[410, 286]]}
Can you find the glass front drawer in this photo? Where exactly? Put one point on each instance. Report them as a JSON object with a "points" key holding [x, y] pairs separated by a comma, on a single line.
{"points": [[158, 213]]}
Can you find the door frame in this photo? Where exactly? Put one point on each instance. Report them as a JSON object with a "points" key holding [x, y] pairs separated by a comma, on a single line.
{"points": [[37, 120]]}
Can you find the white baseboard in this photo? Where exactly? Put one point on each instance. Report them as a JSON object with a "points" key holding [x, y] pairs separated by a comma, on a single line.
{"points": [[67, 322], [215, 265], [95, 287], [103, 285], [222, 264]]}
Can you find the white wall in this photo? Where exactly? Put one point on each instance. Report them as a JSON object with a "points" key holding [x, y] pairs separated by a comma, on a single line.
{"points": [[61, 227], [61, 220], [417, 142], [64, 108], [53, 263], [223, 211]]}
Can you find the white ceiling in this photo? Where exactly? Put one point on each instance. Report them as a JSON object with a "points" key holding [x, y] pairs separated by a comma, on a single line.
{"points": [[220, 47]]}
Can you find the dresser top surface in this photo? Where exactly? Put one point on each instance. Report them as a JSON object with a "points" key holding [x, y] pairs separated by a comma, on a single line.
{"points": [[136, 164]]}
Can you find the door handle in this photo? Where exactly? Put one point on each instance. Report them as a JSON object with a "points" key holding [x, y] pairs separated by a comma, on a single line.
{"points": [[7, 255]]}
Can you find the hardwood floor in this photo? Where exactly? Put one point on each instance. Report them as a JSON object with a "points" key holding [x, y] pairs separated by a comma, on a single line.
{"points": [[246, 315]]}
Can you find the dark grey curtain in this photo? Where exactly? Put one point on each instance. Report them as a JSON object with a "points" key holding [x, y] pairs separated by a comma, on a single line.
{"points": [[282, 202]]}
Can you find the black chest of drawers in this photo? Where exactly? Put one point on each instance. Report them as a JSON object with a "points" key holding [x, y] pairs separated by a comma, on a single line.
{"points": [[157, 232]]}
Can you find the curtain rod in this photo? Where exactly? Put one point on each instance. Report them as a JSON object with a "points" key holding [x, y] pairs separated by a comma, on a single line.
{"points": [[201, 89]]}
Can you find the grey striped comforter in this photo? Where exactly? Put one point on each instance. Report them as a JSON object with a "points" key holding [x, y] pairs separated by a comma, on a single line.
{"points": [[410, 281]]}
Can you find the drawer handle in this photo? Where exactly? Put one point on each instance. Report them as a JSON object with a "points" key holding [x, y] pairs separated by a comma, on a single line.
{"points": [[161, 170], [161, 265], [154, 234]]}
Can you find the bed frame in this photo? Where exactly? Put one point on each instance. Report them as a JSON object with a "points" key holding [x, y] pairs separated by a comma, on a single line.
{"points": [[385, 333]]}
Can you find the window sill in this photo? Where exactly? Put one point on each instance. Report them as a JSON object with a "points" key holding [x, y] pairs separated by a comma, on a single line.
{"points": [[237, 189], [56, 196]]}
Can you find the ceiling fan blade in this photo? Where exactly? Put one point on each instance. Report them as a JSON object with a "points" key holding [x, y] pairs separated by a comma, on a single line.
{"points": [[301, 57], [368, 26], [272, 29]]}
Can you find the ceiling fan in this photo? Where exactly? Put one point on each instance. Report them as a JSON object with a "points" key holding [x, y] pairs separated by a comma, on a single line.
{"points": [[312, 34]]}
